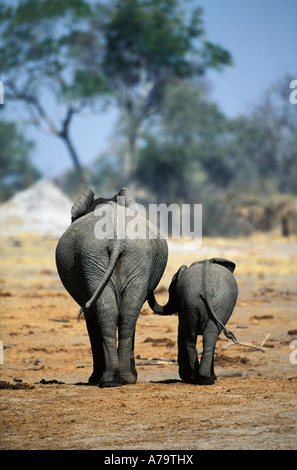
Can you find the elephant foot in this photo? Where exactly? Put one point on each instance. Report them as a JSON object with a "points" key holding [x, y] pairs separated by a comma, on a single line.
{"points": [[95, 378], [128, 378], [202, 380], [189, 378], [111, 379]]}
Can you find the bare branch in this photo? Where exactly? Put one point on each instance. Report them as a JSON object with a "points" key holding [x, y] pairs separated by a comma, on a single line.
{"points": [[248, 345], [36, 110]]}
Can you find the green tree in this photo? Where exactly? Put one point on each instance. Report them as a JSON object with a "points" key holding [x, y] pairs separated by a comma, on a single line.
{"points": [[16, 169], [276, 118], [187, 149], [39, 66], [148, 44], [76, 52], [263, 147]]}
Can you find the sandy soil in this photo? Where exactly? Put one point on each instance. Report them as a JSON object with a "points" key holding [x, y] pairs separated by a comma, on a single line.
{"points": [[47, 360]]}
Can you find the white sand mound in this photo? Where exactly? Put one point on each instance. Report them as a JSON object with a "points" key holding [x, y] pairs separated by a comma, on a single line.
{"points": [[40, 209]]}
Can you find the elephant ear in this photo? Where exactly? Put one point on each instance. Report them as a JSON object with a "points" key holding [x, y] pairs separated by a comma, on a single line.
{"points": [[224, 262], [82, 204], [129, 199]]}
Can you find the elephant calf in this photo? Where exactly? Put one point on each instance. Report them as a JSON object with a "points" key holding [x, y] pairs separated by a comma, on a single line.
{"points": [[204, 295]]}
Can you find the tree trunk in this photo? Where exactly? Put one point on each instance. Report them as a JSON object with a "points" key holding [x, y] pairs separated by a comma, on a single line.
{"points": [[64, 135], [74, 158]]}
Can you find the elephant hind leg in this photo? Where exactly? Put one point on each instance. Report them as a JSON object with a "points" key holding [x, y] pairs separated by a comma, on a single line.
{"points": [[187, 353], [96, 346], [111, 375], [104, 337], [128, 371], [206, 374], [128, 315]]}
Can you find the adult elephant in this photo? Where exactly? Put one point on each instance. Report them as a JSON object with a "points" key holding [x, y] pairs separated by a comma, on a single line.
{"points": [[110, 274], [204, 295]]}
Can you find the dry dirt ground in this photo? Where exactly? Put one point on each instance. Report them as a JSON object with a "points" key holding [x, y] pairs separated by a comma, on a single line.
{"points": [[46, 405]]}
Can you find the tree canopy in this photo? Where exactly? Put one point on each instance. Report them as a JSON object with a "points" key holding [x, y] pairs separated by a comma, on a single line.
{"points": [[148, 45], [36, 44], [16, 169], [79, 52]]}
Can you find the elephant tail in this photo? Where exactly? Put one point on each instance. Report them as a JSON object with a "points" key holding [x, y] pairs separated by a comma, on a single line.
{"points": [[207, 299], [116, 252], [157, 308]]}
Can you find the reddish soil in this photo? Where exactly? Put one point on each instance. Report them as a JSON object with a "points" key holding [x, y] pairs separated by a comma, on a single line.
{"points": [[47, 360]]}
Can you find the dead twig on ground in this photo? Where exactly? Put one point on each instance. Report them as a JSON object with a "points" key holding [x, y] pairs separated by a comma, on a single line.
{"points": [[249, 345]]}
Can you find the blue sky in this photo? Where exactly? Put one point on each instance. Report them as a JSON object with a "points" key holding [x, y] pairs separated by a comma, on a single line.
{"points": [[262, 38]]}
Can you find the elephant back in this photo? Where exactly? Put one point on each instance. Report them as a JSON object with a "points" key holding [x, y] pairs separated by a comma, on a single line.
{"points": [[216, 278]]}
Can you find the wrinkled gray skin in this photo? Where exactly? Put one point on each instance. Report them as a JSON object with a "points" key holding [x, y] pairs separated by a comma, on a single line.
{"points": [[110, 279], [204, 295]]}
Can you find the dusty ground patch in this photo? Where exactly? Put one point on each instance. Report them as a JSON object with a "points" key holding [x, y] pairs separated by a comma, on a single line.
{"points": [[252, 405]]}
